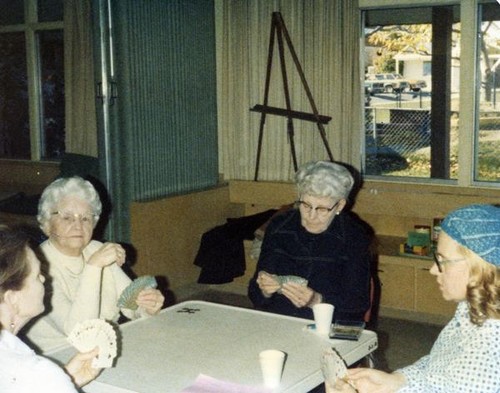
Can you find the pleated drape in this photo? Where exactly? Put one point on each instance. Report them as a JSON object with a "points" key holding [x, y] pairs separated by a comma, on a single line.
{"points": [[325, 35], [80, 112]]}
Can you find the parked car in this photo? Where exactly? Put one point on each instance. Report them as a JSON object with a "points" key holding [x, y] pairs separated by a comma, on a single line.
{"points": [[415, 84], [373, 87], [393, 83]]}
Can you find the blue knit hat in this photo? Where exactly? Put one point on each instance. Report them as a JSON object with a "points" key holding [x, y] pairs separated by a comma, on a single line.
{"points": [[476, 227]]}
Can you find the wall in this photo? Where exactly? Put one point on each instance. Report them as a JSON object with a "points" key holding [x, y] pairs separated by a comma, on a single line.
{"points": [[168, 249], [30, 177], [390, 208], [166, 234]]}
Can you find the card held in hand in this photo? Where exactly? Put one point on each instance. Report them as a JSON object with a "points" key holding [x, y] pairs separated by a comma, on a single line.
{"points": [[290, 278], [332, 366], [92, 333], [129, 295]]}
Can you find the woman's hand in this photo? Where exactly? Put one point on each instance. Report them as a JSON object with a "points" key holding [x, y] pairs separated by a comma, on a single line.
{"points": [[108, 254], [368, 380], [151, 300], [80, 367], [340, 387], [300, 295], [267, 283]]}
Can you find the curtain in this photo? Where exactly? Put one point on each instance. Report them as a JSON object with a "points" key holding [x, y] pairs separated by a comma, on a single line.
{"points": [[325, 35], [81, 126]]}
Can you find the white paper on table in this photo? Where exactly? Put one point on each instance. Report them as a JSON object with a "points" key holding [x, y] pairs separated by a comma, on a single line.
{"points": [[206, 384]]}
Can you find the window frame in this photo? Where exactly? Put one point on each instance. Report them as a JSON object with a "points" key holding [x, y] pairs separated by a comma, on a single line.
{"points": [[468, 102], [30, 28]]}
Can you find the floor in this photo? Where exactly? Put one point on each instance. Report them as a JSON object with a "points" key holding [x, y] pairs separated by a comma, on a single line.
{"points": [[401, 342]]}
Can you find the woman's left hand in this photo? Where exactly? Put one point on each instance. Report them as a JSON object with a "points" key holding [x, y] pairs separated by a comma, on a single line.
{"points": [[340, 387], [151, 300], [300, 295], [80, 367]]}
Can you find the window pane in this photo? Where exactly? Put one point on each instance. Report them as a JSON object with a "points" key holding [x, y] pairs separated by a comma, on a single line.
{"points": [[14, 123], [488, 133], [11, 12], [52, 74], [50, 10], [404, 49]]}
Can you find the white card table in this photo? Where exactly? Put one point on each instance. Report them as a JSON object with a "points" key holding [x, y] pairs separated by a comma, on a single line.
{"points": [[166, 353]]}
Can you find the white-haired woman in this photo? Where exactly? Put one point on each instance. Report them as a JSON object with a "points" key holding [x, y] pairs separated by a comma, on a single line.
{"points": [[320, 242], [466, 355], [86, 275]]}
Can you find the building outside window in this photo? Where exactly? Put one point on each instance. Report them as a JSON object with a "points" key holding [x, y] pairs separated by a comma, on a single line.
{"points": [[413, 68], [31, 79]]}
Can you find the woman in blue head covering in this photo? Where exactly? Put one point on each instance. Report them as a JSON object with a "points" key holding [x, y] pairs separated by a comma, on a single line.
{"points": [[466, 355]]}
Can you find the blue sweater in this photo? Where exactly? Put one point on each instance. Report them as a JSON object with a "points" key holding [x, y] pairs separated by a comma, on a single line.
{"points": [[336, 264]]}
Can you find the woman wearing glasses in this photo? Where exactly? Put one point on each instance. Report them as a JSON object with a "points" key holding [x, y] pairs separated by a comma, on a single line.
{"points": [[319, 242], [86, 275], [466, 355]]}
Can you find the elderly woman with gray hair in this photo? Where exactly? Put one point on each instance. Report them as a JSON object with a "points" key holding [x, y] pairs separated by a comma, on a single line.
{"points": [[319, 242], [86, 274]]}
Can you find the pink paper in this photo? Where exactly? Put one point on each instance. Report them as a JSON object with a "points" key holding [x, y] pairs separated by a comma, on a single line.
{"points": [[206, 384]]}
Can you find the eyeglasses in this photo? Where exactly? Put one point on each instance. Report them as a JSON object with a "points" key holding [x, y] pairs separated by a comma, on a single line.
{"points": [[70, 218], [322, 211], [439, 261]]}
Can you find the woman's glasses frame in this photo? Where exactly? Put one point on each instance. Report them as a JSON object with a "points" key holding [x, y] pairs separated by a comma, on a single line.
{"points": [[70, 218], [440, 262], [322, 211]]}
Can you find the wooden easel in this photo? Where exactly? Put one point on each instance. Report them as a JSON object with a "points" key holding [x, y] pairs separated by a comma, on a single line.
{"points": [[278, 28]]}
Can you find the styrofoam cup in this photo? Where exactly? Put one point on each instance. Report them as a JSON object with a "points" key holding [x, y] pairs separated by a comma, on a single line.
{"points": [[323, 315], [271, 364]]}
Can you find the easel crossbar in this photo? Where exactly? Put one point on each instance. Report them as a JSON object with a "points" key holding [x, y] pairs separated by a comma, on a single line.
{"points": [[271, 110]]}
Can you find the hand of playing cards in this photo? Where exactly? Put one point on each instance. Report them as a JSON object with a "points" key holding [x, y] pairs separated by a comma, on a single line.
{"points": [[286, 279], [129, 295], [92, 333], [333, 367]]}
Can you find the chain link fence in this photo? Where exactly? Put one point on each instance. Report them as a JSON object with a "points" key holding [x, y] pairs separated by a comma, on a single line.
{"points": [[399, 131], [392, 135]]}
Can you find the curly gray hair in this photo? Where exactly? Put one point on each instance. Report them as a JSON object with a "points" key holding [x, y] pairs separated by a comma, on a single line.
{"points": [[324, 179], [63, 187]]}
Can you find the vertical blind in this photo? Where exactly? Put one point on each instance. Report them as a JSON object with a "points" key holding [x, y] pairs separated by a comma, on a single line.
{"points": [[164, 132]]}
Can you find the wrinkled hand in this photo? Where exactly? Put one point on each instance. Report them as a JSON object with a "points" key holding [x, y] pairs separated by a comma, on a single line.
{"points": [[368, 380], [108, 254], [340, 387], [151, 300], [80, 367], [267, 283], [300, 295]]}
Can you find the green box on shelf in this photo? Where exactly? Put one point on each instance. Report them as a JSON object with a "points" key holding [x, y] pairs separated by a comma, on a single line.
{"points": [[418, 239]]}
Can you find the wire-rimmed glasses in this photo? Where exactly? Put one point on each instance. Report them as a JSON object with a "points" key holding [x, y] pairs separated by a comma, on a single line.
{"points": [[439, 261], [70, 217], [322, 211]]}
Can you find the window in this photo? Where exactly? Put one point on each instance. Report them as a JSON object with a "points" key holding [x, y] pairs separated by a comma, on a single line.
{"points": [[31, 79], [413, 122], [487, 166]]}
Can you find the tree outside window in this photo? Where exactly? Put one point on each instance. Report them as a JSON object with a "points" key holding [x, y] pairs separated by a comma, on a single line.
{"points": [[31, 80]]}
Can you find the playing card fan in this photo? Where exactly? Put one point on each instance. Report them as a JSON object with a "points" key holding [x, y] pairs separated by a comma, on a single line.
{"points": [[93, 333]]}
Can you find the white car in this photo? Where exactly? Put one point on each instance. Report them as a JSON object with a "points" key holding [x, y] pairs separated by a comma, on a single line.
{"points": [[393, 83]]}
